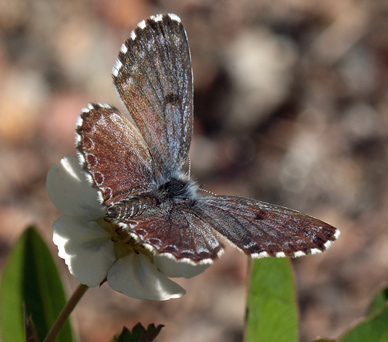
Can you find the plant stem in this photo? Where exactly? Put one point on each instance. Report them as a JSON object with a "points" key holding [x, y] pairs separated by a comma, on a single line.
{"points": [[64, 315]]}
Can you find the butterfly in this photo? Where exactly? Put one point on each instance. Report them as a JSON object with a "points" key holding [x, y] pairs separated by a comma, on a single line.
{"points": [[135, 161]]}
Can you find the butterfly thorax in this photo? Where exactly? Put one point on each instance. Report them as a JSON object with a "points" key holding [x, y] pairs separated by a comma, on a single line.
{"points": [[175, 189]]}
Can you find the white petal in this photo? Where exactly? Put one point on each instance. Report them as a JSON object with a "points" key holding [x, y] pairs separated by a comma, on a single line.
{"points": [[175, 269], [135, 276], [70, 192], [86, 248]]}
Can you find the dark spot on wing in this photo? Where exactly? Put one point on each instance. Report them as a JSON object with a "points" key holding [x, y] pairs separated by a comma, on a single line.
{"points": [[259, 217], [172, 98]]}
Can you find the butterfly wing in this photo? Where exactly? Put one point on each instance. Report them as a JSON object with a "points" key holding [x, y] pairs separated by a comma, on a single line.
{"points": [[261, 229], [192, 229], [174, 229], [153, 78], [114, 153]]}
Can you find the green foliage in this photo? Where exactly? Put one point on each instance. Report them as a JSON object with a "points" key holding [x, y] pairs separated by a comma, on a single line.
{"points": [[139, 334], [31, 288], [374, 327], [379, 301], [31, 333], [271, 311]]}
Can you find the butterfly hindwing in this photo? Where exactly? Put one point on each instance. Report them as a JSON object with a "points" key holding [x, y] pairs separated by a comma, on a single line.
{"points": [[192, 230], [174, 229], [261, 229]]}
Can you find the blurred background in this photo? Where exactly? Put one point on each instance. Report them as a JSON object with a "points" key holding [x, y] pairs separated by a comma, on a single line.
{"points": [[291, 107]]}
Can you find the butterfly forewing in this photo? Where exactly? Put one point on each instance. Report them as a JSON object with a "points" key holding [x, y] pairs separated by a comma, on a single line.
{"points": [[153, 77], [114, 153], [261, 229]]}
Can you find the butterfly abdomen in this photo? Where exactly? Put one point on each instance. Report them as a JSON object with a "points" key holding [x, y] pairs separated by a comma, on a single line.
{"points": [[131, 207]]}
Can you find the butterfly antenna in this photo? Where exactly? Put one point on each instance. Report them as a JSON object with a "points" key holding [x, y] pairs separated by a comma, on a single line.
{"points": [[207, 191], [189, 171]]}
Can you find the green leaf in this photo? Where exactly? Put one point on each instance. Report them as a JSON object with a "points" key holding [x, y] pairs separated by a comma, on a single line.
{"points": [[139, 334], [31, 280], [379, 301], [271, 311], [125, 336], [373, 328]]}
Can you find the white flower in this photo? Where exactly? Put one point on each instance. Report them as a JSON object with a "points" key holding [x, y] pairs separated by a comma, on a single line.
{"points": [[91, 246]]}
